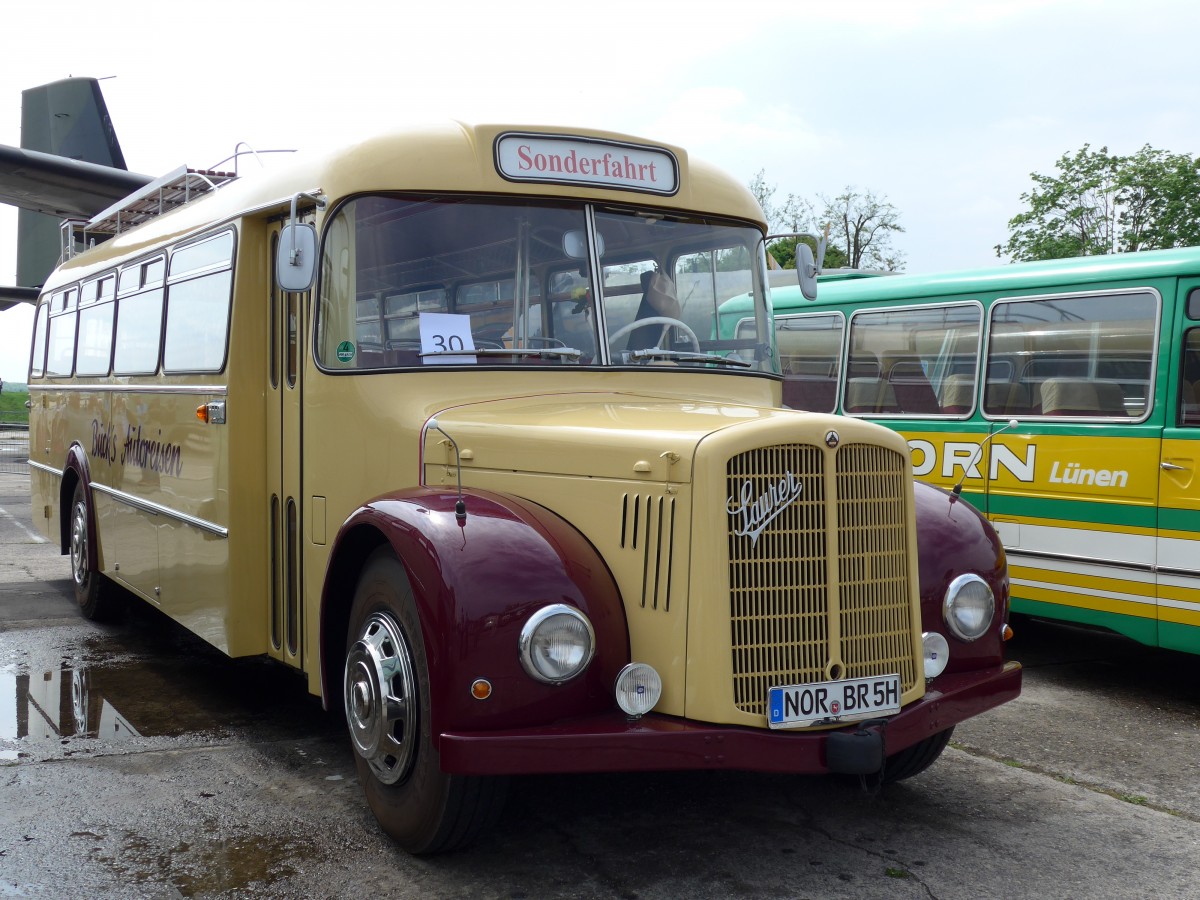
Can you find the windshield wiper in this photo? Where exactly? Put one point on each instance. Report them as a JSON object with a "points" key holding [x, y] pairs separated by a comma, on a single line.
{"points": [[560, 352], [685, 356]]}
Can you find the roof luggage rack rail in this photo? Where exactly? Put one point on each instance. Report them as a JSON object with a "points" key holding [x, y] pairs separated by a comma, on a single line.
{"points": [[160, 196]]}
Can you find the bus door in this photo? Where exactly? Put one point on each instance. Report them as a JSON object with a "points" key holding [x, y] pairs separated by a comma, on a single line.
{"points": [[285, 509], [1178, 538]]}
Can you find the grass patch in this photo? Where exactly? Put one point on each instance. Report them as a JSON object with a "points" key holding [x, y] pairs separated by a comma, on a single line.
{"points": [[12, 405]]}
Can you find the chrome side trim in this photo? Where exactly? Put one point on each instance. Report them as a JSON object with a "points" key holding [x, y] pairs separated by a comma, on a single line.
{"points": [[156, 509], [1178, 573], [1089, 560], [42, 467], [1109, 563], [220, 389]]}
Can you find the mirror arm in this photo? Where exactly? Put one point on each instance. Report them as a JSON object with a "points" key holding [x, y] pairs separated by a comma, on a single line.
{"points": [[821, 240], [316, 197]]}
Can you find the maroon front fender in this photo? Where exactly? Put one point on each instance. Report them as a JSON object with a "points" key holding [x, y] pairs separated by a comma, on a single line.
{"points": [[953, 539], [476, 583]]}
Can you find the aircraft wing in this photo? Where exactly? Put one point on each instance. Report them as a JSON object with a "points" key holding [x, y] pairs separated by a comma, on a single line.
{"points": [[62, 187], [11, 296]]}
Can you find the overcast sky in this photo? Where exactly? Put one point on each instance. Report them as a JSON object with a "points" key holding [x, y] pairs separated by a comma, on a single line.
{"points": [[942, 107]]}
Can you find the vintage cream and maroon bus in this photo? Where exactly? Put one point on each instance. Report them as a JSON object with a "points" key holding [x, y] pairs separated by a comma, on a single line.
{"points": [[443, 421]]}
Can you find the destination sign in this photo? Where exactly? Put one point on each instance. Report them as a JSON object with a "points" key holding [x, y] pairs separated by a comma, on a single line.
{"points": [[568, 160]]}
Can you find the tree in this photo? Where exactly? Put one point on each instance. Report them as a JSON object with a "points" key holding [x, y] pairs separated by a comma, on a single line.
{"points": [[861, 233], [1100, 203], [864, 225]]}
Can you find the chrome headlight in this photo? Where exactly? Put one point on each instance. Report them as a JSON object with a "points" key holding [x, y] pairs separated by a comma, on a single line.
{"points": [[557, 643], [969, 607]]}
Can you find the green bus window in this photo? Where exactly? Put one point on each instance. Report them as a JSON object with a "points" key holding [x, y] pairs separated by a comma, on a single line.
{"points": [[1189, 385], [810, 350], [918, 361], [1073, 356]]}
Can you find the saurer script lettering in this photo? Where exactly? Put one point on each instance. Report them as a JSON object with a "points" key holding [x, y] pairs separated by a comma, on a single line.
{"points": [[753, 514]]}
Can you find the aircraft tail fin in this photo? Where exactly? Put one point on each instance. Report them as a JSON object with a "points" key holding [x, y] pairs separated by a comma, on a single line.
{"points": [[67, 118]]}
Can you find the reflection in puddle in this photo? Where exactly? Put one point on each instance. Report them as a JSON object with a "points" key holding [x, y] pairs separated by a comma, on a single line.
{"points": [[56, 705]]}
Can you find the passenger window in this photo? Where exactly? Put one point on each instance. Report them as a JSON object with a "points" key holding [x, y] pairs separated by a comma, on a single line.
{"points": [[139, 331], [921, 361], [810, 350], [1189, 385], [37, 364], [198, 306], [94, 351], [1075, 356], [60, 355]]}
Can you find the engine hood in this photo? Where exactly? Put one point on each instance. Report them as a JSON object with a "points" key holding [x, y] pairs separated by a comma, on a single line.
{"points": [[604, 435]]}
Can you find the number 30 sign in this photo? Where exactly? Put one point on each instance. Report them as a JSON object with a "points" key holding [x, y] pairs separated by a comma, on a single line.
{"points": [[446, 339]]}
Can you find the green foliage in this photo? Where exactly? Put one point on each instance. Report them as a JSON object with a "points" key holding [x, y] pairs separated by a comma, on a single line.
{"points": [[1101, 203], [12, 405]]}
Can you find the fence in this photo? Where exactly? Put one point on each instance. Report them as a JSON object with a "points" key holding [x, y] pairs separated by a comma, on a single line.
{"points": [[14, 447]]}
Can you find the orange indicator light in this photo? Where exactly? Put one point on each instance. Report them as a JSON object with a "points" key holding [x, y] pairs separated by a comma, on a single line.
{"points": [[481, 689], [202, 412]]}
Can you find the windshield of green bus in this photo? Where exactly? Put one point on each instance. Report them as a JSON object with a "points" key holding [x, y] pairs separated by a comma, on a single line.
{"points": [[467, 281]]}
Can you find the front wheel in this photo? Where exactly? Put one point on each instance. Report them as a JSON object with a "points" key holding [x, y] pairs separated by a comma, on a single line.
{"points": [[916, 759], [93, 594], [386, 693]]}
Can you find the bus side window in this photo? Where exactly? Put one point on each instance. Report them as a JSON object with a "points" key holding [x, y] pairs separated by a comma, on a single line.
{"points": [[1189, 385], [810, 348], [37, 364], [60, 358]]}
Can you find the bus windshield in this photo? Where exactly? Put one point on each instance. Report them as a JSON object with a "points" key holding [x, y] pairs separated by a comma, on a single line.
{"points": [[452, 280]]}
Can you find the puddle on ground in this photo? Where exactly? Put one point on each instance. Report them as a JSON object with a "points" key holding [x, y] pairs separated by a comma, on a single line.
{"points": [[107, 692]]}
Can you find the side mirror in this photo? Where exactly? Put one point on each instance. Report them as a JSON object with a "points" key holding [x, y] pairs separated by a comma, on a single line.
{"points": [[296, 259], [806, 271]]}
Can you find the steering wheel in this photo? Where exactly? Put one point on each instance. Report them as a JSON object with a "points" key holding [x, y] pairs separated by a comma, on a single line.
{"points": [[656, 320]]}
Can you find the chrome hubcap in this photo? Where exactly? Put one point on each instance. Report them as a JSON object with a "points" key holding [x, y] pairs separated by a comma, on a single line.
{"points": [[79, 551], [381, 698]]}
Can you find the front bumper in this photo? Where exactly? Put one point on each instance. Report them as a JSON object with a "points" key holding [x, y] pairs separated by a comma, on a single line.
{"points": [[612, 743]]}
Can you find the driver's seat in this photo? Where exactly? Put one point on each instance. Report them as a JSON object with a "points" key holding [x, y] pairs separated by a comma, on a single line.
{"points": [[658, 299]]}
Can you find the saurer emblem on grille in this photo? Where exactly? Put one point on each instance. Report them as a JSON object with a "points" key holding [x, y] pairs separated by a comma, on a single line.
{"points": [[753, 514]]}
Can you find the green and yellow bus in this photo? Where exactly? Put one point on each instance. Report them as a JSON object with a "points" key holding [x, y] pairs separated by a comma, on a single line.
{"points": [[1059, 397]]}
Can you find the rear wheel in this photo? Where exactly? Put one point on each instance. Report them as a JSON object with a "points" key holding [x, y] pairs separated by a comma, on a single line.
{"points": [[916, 759], [92, 592], [386, 694]]}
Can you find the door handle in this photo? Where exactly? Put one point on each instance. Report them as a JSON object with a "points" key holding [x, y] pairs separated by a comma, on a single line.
{"points": [[1171, 467]]}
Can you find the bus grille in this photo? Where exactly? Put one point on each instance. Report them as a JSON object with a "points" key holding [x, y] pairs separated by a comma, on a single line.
{"points": [[785, 615]]}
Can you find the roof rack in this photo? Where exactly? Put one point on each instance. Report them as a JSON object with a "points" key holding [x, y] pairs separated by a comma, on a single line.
{"points": [[160, 196]]}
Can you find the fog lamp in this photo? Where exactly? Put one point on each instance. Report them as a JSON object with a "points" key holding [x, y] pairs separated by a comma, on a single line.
{"points": [[557, 643], [937, 653], [968, 607], [638, 689]]}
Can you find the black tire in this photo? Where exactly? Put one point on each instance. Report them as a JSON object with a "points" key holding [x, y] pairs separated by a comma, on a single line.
{"points": [[93, 593], [916, 759], [421, 807]]}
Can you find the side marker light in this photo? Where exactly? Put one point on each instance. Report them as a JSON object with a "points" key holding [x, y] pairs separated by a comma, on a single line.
{"points": [[481, 689]]}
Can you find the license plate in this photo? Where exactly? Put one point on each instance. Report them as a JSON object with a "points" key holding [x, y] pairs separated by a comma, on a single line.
{"points": [[799, 705]]}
